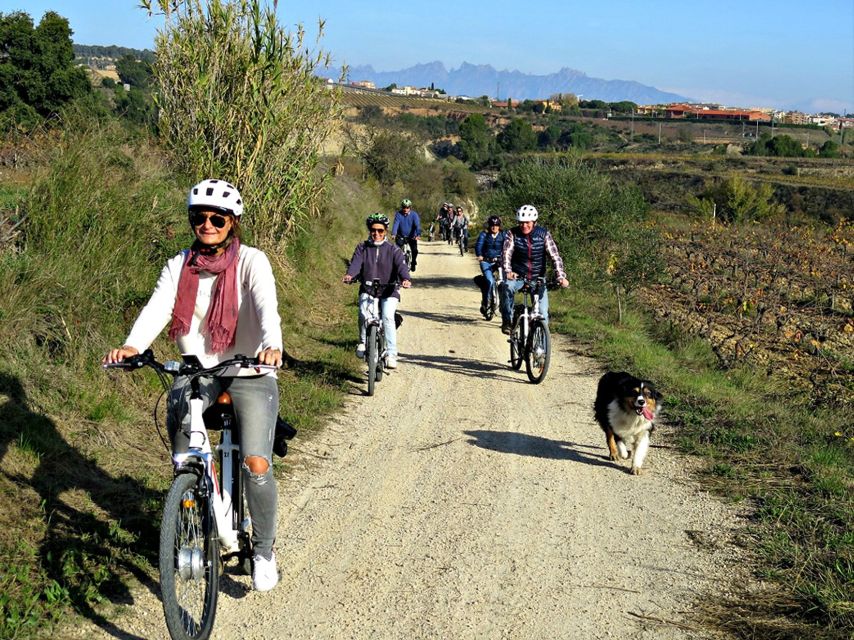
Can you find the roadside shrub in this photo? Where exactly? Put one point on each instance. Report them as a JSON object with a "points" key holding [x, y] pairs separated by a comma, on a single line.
{"points": [[735, 200], [239, 99], [599, 226]]}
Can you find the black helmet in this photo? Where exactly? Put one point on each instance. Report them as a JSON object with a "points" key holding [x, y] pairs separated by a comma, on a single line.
{"points": [[375, 218], [492, 221]]}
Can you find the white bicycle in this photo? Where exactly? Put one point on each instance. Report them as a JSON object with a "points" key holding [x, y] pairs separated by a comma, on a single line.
{"points": [[205, 520]]}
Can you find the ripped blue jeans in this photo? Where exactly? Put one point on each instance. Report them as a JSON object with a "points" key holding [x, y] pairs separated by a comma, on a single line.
{"points": [[256, 405]]}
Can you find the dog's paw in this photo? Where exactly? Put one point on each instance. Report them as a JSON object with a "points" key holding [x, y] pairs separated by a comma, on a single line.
{"points": [[636, 471]]}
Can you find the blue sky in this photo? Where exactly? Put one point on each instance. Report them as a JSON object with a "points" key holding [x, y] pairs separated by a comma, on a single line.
{"points": [[783, 54]]}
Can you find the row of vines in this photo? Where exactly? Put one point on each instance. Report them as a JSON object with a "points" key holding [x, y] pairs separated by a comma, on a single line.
{"points": [[777, 298]]}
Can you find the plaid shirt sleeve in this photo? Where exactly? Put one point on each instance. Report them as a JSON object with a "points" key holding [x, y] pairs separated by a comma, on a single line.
{"points": [[551, 248], [507, 252]]}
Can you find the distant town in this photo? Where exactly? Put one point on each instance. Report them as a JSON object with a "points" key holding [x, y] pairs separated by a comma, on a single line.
{"points": [[676, 111]]}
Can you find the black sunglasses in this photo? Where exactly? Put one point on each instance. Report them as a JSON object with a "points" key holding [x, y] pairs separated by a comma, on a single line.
{"points": [[376, 230], [197, 219]]}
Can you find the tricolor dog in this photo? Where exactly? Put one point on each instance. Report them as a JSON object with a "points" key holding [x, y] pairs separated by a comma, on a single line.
{"points": [[625, 408]]}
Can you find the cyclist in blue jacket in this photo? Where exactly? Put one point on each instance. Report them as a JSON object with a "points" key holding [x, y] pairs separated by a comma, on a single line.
{"points": [[488, 251], [407, 229]]}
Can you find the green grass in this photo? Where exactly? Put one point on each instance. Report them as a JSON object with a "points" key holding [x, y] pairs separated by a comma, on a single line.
{"points": [[759, 443], [83, 470]]}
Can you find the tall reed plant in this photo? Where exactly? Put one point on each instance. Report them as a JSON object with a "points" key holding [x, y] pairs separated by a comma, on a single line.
{"points": [[239, 98]]}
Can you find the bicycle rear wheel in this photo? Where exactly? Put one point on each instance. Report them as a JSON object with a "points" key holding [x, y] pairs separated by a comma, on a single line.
{"points": [[538, 353], [517, 344], [189, 560], [373, 356]]}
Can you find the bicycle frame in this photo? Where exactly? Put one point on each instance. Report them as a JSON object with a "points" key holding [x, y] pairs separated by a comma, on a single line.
{"points": [[531, 302], [373, 317]]}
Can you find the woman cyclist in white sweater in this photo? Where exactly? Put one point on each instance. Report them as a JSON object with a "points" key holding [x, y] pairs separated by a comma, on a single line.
{"points": [[219, 299]]}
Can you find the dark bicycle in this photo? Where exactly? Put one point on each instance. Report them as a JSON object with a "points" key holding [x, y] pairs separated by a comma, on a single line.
{"points": [[530, 340], [492, 294]]}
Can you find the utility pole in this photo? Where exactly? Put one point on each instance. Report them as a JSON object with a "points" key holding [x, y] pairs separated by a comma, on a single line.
{"points": [[659, 132], [632, 137]]}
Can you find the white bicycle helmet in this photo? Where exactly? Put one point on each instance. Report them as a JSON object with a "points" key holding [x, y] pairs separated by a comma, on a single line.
{"points": [[218, 195], [526, 213]]}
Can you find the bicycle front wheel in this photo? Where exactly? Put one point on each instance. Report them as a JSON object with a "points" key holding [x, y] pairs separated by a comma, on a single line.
{"points": [[490, 304], [189, 560], [538, 353], [372, 354], [517, 344]]}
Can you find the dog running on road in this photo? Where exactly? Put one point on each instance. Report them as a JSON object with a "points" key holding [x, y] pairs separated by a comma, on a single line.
{"points": [[625, 408]]}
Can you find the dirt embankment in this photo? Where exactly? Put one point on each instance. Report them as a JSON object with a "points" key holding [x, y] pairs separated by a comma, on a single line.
{"points": [[461, 501]]}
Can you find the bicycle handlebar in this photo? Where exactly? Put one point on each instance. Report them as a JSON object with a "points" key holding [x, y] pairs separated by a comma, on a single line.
{"points": [[190, 367]]}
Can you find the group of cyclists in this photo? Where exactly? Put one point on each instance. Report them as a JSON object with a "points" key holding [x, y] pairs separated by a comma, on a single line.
{"points": [[219, 299], [453, 223]]}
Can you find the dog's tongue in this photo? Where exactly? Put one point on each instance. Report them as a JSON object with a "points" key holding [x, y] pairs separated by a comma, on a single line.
{"points": [[647, 413]]}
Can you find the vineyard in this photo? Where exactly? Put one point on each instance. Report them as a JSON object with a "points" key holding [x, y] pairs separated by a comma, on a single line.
{"points": [[779, 299]]}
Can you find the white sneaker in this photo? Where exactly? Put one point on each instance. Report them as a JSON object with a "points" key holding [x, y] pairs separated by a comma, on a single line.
{"points": [[391, 362], [265, 576], [360, 350]]}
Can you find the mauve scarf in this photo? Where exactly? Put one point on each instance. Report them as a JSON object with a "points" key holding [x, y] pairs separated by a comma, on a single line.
{"points": [[221, 321]]}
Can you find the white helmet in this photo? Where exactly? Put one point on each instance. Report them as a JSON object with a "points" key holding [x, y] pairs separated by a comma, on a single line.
{"points": [[526, 213], [218, 195]]}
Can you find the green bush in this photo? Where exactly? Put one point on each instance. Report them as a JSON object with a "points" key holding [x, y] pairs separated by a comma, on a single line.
{"points": [[598, 225]]}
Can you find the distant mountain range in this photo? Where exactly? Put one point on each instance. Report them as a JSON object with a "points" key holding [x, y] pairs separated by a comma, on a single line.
{"points": [[482, 79]]}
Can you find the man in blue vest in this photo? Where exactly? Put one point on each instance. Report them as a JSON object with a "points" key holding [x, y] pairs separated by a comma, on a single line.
{"points": [[407, 229], [523, 257]]}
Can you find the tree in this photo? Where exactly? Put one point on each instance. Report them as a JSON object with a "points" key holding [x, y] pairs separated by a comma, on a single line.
{"points": [[239, 98], [548, 138], [625, 106], [37, 72], [136, 73], [829, 150], [517, 136], [476, 140]]}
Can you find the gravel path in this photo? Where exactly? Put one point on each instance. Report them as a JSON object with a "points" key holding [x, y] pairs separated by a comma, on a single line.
{"points": [[462, 501]]}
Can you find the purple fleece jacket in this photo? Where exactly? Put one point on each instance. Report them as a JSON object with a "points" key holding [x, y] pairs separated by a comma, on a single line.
{"points": [[384, 262]]}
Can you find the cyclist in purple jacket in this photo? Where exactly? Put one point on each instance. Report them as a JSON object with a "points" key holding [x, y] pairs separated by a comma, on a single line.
{"points": [[375, 258]]}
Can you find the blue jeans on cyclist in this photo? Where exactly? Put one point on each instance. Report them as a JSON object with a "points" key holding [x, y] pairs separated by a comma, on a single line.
{"points": [[256, 406], [509, 290], [387, 308], [489, 274]]}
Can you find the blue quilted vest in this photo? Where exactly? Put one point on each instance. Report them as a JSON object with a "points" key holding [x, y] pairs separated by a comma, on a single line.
{"points": [[529, 253]]}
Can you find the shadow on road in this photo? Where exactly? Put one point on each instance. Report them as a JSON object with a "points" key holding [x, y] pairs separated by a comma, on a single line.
{"points": [[464, 366], [436, 282], [526, 445]]}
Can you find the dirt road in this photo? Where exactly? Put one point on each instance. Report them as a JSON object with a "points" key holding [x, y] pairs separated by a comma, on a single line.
{"points": [[461, 501]]}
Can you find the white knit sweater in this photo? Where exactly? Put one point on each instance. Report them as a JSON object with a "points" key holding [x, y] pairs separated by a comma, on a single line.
{"points": [[258, 321]]}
